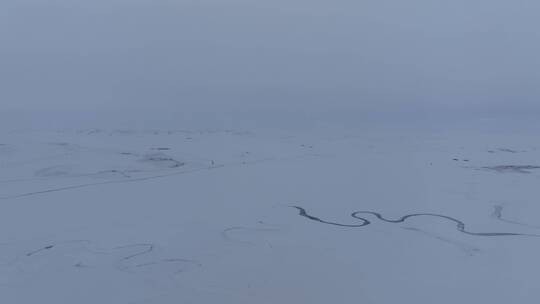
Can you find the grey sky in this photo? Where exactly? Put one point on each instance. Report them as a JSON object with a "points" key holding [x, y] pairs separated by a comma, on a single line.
{"points": [[236, 53]]}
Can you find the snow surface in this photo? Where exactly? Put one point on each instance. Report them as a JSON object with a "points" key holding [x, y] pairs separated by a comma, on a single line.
{"points": [[208, 216]]}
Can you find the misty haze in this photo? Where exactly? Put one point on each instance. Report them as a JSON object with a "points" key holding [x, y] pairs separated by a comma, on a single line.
{"points": [[248, 151]]}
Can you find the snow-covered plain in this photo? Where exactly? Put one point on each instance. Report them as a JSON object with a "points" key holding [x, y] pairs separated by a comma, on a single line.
{"points": [[209, 216]]}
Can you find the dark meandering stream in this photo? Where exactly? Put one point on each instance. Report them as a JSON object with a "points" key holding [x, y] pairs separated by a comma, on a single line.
{"points": [[460, 226]]}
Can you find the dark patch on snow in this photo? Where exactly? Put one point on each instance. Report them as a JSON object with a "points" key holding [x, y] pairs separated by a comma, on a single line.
{"points": [[525, 169], [162, 160]]}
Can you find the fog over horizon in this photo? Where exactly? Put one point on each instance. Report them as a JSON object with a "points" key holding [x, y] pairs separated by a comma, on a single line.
{"points": [[279, 151], [136, 58]]}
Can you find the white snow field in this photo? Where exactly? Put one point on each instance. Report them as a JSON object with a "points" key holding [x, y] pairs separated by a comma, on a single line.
{"points": [[258, 216]]}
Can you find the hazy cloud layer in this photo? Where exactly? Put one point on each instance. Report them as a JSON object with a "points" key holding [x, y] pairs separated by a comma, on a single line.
{"points": [[377, 54]]}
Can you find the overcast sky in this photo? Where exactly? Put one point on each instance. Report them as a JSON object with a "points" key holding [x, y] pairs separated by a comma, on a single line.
{"points": [[377, 54]]}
